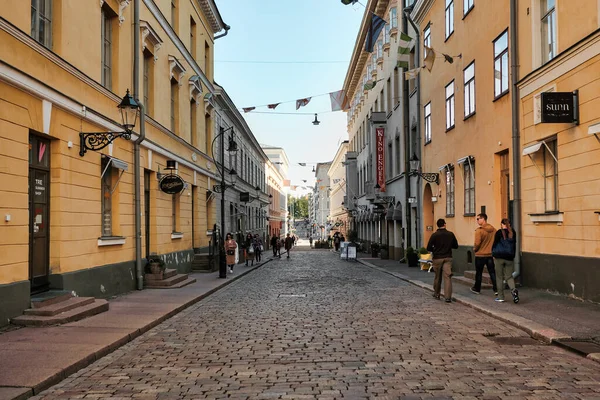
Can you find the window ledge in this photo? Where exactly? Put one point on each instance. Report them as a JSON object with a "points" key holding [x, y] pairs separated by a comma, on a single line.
{"points": [[449, 36], [111, 240], [176, 235], [501, 95], [450, 128], [597, 212], [469, 116], [468, 11], [469, 215], [552, 217], [449, 215]]}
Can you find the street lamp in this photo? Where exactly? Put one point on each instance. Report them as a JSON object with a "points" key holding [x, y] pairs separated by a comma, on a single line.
{"points": [[231, 148], [432, 177], [130, 110]]}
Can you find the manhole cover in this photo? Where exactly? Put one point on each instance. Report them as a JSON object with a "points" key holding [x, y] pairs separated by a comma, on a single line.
{"points": [[583, 347], [292, 295], [514, 341]]}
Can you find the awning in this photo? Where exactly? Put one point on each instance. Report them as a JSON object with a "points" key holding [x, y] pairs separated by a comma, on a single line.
{"points": [[464, 159], [114, 163], [532, 148], [594, 129], [445, 166]]}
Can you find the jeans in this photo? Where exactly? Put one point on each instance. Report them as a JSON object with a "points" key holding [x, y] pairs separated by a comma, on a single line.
{"points": [[443, 266], [505, 271], [480, 263]]}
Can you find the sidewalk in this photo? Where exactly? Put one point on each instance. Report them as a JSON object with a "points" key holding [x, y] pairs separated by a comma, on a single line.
{"points": [[542, 315], [33, 359]]}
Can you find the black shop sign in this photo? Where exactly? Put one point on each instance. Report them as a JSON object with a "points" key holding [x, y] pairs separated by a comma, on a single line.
{"points": [[171, 184], [560, 107]]}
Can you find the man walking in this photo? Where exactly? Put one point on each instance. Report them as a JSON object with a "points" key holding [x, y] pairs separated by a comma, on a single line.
{"points": [[289, 242], [274, 245], [441, 244], [484, 239]]}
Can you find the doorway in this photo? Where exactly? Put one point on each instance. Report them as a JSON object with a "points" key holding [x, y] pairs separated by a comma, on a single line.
{"points": [[428, 215], [504, 184], [39, 207]]}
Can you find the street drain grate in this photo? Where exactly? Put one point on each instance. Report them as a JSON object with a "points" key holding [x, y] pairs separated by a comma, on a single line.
{"points": [[514, 341], [291, 295], [582, 347]]}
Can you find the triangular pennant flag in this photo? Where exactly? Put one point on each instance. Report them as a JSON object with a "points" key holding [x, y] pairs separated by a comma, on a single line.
{"points": [[248, 109], [404, 45], [273, 106], [377, 25], [429, 58], [338, 100], [369, 85], [412, 73], [302, 102]]}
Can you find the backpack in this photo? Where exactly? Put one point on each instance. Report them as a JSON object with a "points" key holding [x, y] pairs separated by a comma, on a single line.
{"points": [[505, 248]]}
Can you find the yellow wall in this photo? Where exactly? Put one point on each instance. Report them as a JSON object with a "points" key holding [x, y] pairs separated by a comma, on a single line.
{"points": [[484, 134]]}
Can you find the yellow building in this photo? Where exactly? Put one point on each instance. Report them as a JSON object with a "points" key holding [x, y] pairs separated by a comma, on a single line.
{"points": [[68, 220], [559, 51], [465, 117]]}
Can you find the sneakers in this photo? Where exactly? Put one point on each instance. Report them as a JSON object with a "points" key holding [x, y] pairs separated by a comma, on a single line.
{"points": [[499, 300], [448, 300], [231, 270], [495, 293], [515, 295], [475, 291]]}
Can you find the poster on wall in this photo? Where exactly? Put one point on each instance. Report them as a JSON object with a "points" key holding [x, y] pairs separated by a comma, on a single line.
{"points": [[380, 154]]}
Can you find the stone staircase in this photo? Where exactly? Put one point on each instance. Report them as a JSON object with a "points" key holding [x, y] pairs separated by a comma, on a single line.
{"points": [[201, 263], [59, 307], [469, 279], [169, 279]]}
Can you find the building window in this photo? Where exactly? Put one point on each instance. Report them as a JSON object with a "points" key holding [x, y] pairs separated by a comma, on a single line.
{"points": [[450, 192], [550, 176], [469, 78], [394, 18], [379, 48], [148, 80], [398, 85], [501, 65], [41, 21], [469, 167], [389, 163], [193, 34], [207, 136], [174, 105], [427, 123], [397, 156], [549, 42], [450, 106], [106, 32], [386, 34], [388, 88], [426, 40], [107, 196], [174, 15], [206, 59], [193, 123], [449, 18], [175, 212], [468, 6]]}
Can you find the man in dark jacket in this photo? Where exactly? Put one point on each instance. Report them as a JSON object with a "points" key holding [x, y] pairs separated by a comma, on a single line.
{"points": [[274, 244], [441, 244], [288, 243]]}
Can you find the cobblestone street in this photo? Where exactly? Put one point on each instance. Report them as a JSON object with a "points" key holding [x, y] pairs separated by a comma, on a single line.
{"points": [[315, 327]]}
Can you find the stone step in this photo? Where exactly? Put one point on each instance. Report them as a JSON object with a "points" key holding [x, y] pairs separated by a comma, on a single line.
{"points": [[98, 306], [50, 297], [59, 308], [485, 278], [201, 256], [167, 282], [177, 285], [469, 282], [168, 273]]}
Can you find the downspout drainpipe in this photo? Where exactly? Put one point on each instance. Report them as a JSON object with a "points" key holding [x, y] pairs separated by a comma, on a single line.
{"points": [[516, 139], [406, 111], [227, 28], [418, 144], [136, 146]]}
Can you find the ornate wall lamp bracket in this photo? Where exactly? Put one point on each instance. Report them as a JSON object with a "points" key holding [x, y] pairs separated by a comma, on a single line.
{"points": [[98, 140]]}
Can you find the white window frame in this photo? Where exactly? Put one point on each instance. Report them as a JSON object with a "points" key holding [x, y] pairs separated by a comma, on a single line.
{"points": [[469, 90], [549, 40], [500, 65], [426, 39], [450, 191], [450, 105], [427, 118], [394, 18], [469, 190], [449, 18], [468, 6], [36, 17], [106, 47]]}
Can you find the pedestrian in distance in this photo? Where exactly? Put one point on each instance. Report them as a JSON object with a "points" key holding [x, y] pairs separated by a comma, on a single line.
{"points": [[310, 240], [484, 239], [274, 245], [441, 244], [503, 251], [288, 243], [258, 248], [230, 247], [249, 249], [336, 242], [278, 247]]}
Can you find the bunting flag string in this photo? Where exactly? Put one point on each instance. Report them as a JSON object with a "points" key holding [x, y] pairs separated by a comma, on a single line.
{"points": [[248, 109], [338, 100], [302, 102], [273, 106]]}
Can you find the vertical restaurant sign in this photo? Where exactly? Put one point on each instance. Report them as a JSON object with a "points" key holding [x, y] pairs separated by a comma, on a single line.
{"points": [[380, 142]]}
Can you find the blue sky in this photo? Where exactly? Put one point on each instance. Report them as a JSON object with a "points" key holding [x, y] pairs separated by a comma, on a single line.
{"points": [[287, 31]]}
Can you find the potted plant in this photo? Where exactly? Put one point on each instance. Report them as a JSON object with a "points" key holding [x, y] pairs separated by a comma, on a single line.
{"points": [[424, 254], [412, 257], [384, 252], [155, 265]]}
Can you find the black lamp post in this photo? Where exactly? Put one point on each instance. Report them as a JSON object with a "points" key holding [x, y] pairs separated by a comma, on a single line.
{"points": [[231, 148], [432, 177], [130, 110]]}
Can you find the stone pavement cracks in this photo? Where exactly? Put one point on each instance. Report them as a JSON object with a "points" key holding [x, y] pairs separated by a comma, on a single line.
{"points": [[311, 327]]}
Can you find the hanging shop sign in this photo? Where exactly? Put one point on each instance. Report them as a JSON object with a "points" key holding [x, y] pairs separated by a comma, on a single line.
{"points": [[560, 107], [171, 184], [380, 143]]}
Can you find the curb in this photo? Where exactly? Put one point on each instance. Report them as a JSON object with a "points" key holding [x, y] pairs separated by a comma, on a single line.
{"points": [[533, 329]]}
